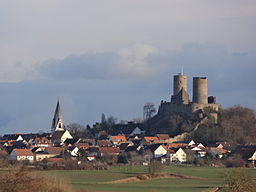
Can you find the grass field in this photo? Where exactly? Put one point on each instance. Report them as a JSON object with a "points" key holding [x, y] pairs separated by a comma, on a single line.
{"points": [[92, 180]]}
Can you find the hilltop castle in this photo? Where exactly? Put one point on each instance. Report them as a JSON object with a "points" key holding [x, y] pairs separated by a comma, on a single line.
{"points": [[180, 103]]}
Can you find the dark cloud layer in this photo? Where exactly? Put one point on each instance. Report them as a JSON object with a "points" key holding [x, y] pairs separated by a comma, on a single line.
{"points": [[94, 83], [88, 66]]}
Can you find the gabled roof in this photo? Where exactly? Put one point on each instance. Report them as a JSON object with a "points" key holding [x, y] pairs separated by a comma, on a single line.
{"points": [[136, 141], [53, 150], [118, 138], [104, 143], [217, 150], [132, 148], [23, 152], [150, 139], [154, 147], [42, 140], [111, 150], [71, 141], [162, 136], [12, 136], [71, 148], [82, 145], [176, 145], [200, 145], [57, 135], [93, 149], [123, 146]]}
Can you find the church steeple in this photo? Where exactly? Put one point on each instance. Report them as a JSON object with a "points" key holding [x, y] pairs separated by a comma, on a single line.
{"points": [[57, 122]]}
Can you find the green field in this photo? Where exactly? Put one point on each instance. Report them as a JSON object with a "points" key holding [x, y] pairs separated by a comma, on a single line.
{"points": [[91, 180]]}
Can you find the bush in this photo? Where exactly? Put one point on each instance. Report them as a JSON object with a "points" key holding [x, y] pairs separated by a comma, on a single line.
{"points": [[236, 161], [20, 179], [122, 158], [154, 167]]}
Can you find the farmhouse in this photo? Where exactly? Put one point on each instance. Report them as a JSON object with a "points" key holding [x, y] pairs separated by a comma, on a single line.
{"points": [[21, 155], [178, 155]]}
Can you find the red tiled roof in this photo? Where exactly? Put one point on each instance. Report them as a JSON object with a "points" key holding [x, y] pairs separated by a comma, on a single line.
{"points": [[23, 152], [82, 145], [55, 160], [171, 151], [150, 139], [162, 136], [109, 150], [119, 138], [176, 145], [53, 150], [219, 150], [42, 140], [103, 143]]}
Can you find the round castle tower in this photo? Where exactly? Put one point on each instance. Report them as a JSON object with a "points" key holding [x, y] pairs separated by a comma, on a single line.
{"points": [[179, 82], [200, 90]]}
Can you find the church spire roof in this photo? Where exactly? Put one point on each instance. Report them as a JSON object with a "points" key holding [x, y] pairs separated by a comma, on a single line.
{"points": [[57, 123]]}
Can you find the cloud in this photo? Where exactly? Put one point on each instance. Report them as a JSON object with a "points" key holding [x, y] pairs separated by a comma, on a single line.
{"points": [[135, 61], [98, 82], [126, 63], [85, 66], [226, 70], [32, 33]]}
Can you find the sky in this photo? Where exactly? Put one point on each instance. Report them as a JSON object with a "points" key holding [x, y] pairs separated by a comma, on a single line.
{"points": [[113, 56]]}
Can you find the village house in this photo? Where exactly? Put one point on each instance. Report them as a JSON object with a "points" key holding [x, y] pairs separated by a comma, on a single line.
{"points": [[71, 142], [178, 155], [73, 150], [103, 151], [158, 150], [252, 158], [21, 155], [59, 137], [13, 137], [217, 152], [104, 143], [92, 151], [42, 142], [82, 145], [176, 145], [163, 137], [149, 140], [116, 140], [47, 153], [90, 158], [137, 131]]}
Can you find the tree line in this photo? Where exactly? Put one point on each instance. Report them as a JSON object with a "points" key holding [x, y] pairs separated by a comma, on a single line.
{"points": [[235, 124]]}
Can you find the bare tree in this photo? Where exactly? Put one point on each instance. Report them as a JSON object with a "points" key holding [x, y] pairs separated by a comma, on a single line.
{"points": [[237, 180], [148, 110], [111, 120], [154, 167], [74, 127]]}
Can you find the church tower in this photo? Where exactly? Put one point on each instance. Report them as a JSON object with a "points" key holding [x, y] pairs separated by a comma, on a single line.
{"points": [[57, 122]]}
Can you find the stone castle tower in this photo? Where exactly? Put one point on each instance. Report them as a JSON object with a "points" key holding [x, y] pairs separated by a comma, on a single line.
{"points": [[180, 103], [57, 122]]}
